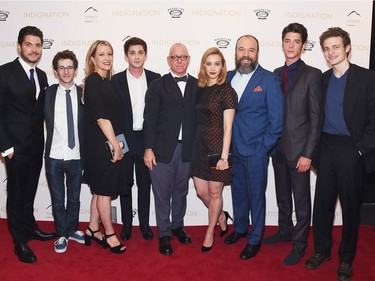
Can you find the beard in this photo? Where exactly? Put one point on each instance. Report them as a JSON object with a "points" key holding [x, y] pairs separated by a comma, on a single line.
{"points": [[246, 69]]}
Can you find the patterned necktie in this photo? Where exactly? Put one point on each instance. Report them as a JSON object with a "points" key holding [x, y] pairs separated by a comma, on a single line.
{"points": [[285, 79], [181, 79], [69, 118], [32, 79]]}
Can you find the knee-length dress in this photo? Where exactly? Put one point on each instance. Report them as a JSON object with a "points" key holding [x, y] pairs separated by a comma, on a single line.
{"points": [[211, 103], [101, 101]]}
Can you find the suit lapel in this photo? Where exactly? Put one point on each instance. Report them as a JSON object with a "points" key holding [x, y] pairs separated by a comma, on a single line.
{"points": [[350, 98]]}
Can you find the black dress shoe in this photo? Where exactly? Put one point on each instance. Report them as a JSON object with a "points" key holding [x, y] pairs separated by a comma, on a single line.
{"points": [[181, 235], [24, 253], [316, 261], [38, 234], [345, 271], [293, 257], [249, 251], [165, 246], [146, 232], [276, 238], [126, 232], [234, 237]]}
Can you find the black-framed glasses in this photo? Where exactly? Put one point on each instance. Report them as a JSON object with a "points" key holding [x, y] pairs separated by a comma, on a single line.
{"points": [[63, 68], [183, 58]]}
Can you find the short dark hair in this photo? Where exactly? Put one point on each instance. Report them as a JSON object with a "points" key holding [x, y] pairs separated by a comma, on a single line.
{"points": [[335, 32], [29, 30], [134, 41], [66, 54], [295, 27]]}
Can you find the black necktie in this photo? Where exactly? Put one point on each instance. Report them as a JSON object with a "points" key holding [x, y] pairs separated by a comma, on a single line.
{"points": [[69, 118], [285, 79], [182, 78], [32, 79]]}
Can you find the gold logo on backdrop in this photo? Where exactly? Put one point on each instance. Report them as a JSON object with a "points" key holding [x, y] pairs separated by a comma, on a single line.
{"points": [[48, 15], [170, 42], [309, 15], [136, 13], [216, 13]]}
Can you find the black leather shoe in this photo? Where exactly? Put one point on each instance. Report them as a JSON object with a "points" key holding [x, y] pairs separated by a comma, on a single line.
{"points": [[234, 237], [165, 246], [38, 234], [126, 232], [345, 271], [293, 257], [146, 232], [181, 235], [276, 238], [24, 253], [316, 261], [249, 251]]}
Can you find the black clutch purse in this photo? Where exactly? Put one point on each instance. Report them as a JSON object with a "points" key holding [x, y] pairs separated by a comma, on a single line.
{"points": [[214, 157], [123, 145]]}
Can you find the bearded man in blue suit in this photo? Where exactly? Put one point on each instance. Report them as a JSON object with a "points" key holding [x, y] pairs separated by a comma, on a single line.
{"points": [[256, 129]]}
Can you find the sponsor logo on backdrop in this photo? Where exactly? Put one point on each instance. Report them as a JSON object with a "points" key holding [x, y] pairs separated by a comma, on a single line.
{"points": [[46, 15], [91, 15], [262, 14], [354, 19], [175, 13], [49, 212], [270, 44], [134, 212], [222, 43], [136, 13], [308, 15], [360, 48], [47, 44], [4, 15], [126, 38], [5, 184], [216, 13], [310, 45], [76, 43], [170, 42]]}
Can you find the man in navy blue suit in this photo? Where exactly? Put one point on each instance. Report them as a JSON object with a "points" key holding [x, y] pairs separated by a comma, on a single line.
{"points": [[131, 84], [256, 129]]}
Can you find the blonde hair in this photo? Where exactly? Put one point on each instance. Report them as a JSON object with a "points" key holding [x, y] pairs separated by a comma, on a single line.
{"points": [[203, 77], [89, 65]]}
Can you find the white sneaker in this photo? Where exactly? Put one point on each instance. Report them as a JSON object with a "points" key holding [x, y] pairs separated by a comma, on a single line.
{"points": [[61, 245], [78, 236]]}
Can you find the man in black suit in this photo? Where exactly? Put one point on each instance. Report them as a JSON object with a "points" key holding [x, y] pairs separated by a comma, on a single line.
{"points": [[346, 149], [22, 90], [131, 84], [63, 112], [169, 129], [302, 88]]}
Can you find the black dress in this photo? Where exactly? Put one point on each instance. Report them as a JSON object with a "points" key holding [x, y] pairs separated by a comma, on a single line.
{"points": [[211, 103], [101, 101]]}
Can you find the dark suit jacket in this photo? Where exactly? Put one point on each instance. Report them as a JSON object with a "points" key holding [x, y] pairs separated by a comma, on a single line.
{"points": [[120, 84], [258, 121], [165, 111], [359, 110], [302, 113], [49, 112], [21, 114]]}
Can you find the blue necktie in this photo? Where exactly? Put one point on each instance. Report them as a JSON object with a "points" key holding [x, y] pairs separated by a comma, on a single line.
{"points": [[69, 118], [32, 79]]}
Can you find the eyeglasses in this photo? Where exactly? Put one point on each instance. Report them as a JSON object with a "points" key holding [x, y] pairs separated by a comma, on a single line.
{"points": [[63, 68], [183, 58]]}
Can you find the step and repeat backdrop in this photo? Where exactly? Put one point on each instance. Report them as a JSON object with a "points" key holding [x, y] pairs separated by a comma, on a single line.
{"points": [[74, 25]]}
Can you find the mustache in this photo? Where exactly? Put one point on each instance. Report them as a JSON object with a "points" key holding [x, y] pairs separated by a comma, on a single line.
{"points": [[246, 58]]}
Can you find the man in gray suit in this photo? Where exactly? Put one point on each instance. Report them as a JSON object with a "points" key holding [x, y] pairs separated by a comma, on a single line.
{"points": [[301, 130]]}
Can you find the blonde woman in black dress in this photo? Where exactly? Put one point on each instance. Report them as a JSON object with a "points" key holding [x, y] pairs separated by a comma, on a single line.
{"points": [[216, 105], [102, 122]]}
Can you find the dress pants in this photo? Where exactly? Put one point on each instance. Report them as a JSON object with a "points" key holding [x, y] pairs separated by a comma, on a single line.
{"points": [[23, 172], [248, 194], [170, 184], [58, 173], [339, 173], [143, 180], [288, 181]]}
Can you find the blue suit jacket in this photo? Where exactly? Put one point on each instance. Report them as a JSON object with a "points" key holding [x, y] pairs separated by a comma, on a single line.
{"points": [[257, 124]]}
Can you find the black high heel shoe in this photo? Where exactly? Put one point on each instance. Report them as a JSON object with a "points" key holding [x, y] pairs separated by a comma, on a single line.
{"points": [[227, 216], [88, 238], [205, 249], [116, 249]]}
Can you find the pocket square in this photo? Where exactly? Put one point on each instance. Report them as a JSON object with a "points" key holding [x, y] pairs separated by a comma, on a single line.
{"points": [[258, 89]]}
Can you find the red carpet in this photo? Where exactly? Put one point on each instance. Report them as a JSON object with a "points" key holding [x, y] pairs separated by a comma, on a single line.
{"points": [[142, 260]]}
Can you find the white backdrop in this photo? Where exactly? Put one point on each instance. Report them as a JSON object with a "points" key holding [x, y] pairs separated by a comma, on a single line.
{"points": [[199, 25]]}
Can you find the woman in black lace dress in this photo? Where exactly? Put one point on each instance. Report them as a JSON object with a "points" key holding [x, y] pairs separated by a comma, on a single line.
{"points": [[216, 104]]}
